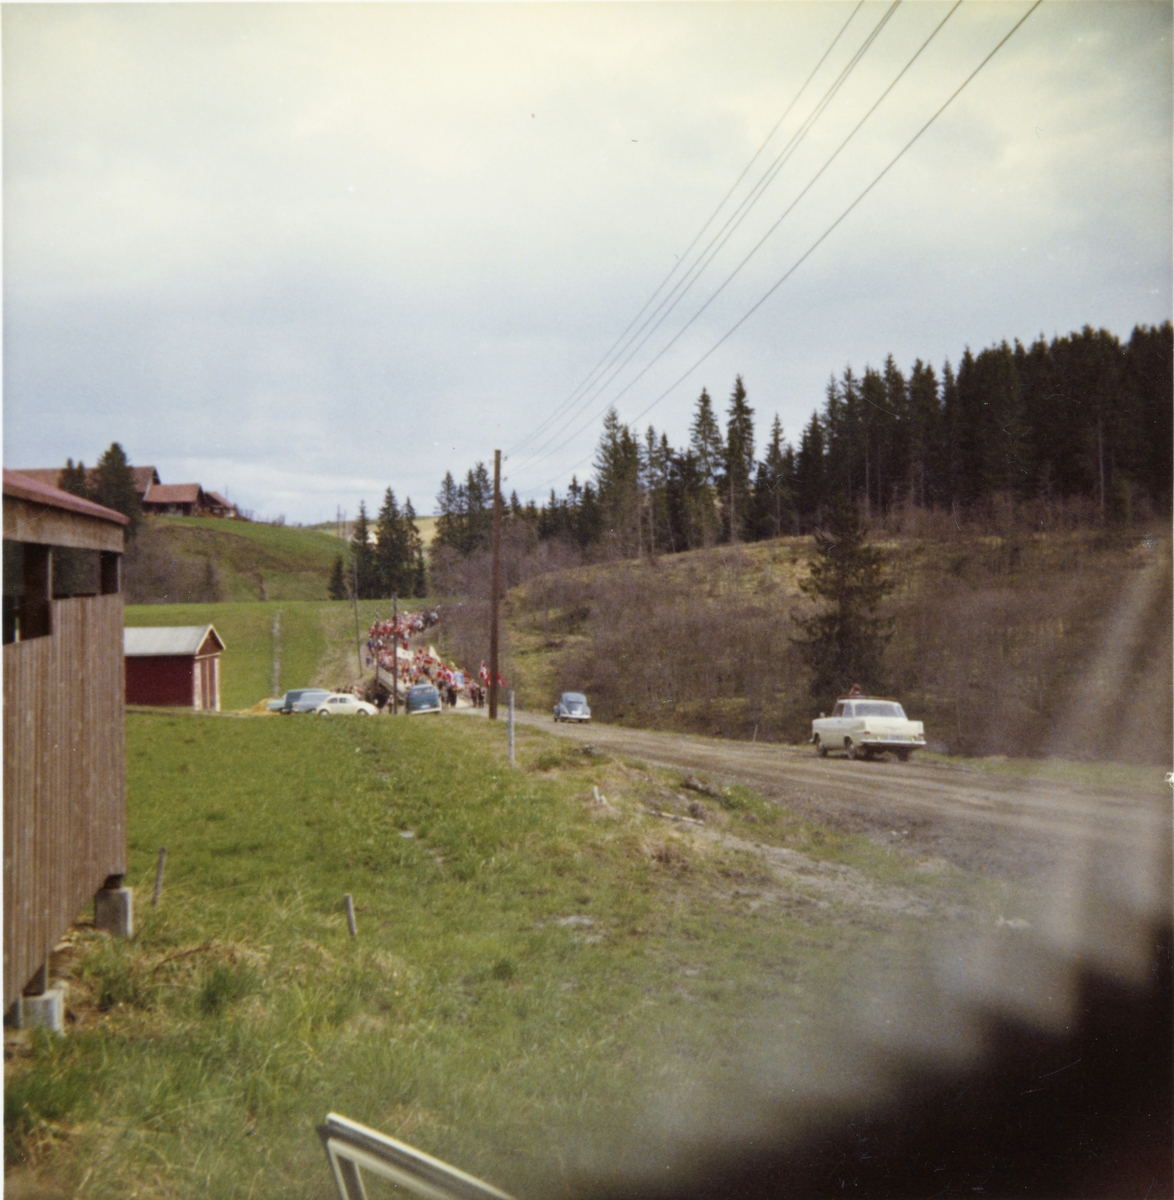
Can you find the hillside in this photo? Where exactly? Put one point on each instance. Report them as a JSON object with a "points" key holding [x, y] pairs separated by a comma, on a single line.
{"points": [[1056, 644], [176, 559]]}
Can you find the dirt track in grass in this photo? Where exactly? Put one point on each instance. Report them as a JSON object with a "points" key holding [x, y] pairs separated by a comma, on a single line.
{"points": [[1010, 826]]}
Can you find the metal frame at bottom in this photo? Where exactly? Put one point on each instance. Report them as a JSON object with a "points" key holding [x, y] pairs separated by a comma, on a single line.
{"points": [[350, 1146]]}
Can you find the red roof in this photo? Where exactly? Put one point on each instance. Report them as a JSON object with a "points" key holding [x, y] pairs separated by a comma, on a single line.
{"points": [[25, 488], [173, 493]]}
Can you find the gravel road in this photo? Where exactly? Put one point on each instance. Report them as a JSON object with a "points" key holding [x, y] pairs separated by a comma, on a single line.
{"points": [[1004, 825]]}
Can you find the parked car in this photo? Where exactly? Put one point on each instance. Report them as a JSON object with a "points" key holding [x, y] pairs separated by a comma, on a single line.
{"points": [[863, 726], [423, 698], [572, 706], [343, 704], [303, 700]]}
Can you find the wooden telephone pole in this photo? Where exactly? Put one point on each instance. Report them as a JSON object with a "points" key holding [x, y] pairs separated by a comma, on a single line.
{"points": [[495, 585]]}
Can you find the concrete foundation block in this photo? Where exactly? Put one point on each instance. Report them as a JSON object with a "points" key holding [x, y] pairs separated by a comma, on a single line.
{"points": [[114, 911], [46, 1011]]}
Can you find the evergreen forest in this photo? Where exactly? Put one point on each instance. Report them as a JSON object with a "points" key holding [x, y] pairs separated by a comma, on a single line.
{"points": [[1075, 431]]}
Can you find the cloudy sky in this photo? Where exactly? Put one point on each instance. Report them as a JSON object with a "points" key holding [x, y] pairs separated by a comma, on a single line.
{"points": [[301, 252]]}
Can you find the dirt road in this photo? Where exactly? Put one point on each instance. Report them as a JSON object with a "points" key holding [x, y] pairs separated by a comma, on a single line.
{"points": [[1003, 825]]}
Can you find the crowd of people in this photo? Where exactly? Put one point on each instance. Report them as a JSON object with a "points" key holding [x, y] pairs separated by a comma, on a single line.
{"points": [[387, 648]]}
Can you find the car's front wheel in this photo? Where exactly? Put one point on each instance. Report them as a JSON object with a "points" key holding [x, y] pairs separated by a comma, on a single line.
{"points": [[850, 746], [820, 748], [324, 714]]}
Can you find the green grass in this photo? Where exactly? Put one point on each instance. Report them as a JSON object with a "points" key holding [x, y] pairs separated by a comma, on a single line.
{"points": [[529, 966], [317, 641], [255, 560]]}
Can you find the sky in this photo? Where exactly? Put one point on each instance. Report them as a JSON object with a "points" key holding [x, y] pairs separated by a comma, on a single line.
{"points": [[300, 253]]}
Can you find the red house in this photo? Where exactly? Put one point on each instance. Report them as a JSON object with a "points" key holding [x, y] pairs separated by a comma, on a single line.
{"points": [[175, 666]]}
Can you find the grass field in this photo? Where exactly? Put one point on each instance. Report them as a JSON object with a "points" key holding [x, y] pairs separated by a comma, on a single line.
{"points": [[315, 643], [533, 971], [255, 560]]}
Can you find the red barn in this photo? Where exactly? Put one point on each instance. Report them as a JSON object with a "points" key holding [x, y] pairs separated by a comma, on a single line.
{"points": [[176, 666]]}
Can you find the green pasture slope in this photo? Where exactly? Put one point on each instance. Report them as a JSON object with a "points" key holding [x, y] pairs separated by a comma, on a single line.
{"points": [[529, 966], [254, 559], [307, 633]]}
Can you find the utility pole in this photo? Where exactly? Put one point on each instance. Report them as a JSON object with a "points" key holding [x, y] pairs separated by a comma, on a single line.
{"points": [[395, 655], [355, 599], [495, 585]]}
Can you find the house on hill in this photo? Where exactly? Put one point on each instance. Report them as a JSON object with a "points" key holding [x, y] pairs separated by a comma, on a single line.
{"points": [[173, 666], [216, 505], [168, 499], [64, 741], [175, 500]]}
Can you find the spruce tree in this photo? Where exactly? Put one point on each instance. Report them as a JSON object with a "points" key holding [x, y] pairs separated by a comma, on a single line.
{"points": [[773, 503], [705, 439], [73, 480], [417, 572], [363, 557], [114, 487], [337, 586], [394, 563], [705, 443], [844, 643], [739, 463]]}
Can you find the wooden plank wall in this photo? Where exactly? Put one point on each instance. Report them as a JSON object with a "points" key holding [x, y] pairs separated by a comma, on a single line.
{"points": [[64, 777]]}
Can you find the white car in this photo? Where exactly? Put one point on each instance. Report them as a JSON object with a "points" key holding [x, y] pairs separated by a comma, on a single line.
{"points": [[862, 726], [341, 704]]}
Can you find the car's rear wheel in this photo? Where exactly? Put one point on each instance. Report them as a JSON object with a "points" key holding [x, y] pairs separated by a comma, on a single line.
{"points": [[363, 712], [850, 746], [902, 755]]}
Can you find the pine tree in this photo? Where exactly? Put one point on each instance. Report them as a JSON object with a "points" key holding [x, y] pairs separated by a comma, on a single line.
{"points": [[708, 450], [337, 586], [415, 550], [114, 487], [617, 471], [844, 643], [705, 439], [449, 524], [773, 501], [395, 564], [811, 470], [363, 557], [739, 463]]}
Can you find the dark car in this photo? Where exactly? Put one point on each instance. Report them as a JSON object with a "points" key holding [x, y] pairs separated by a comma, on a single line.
{"points": [[423, 698], [572, 706], [303, 700]]}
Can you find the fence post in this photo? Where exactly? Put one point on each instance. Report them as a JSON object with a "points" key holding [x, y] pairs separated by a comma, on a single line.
{"points": [[352, 928], [511, 728], [159, 876]]}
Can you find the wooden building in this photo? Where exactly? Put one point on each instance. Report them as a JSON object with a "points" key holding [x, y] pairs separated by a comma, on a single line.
{"points": [[175, 500], [143, 477], [64, 736], [173, 666]]}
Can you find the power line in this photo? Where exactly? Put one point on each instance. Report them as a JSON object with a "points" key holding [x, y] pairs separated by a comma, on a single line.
{"points": [[732, 223], [688, 250], [762, 241], [827, 232]]}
